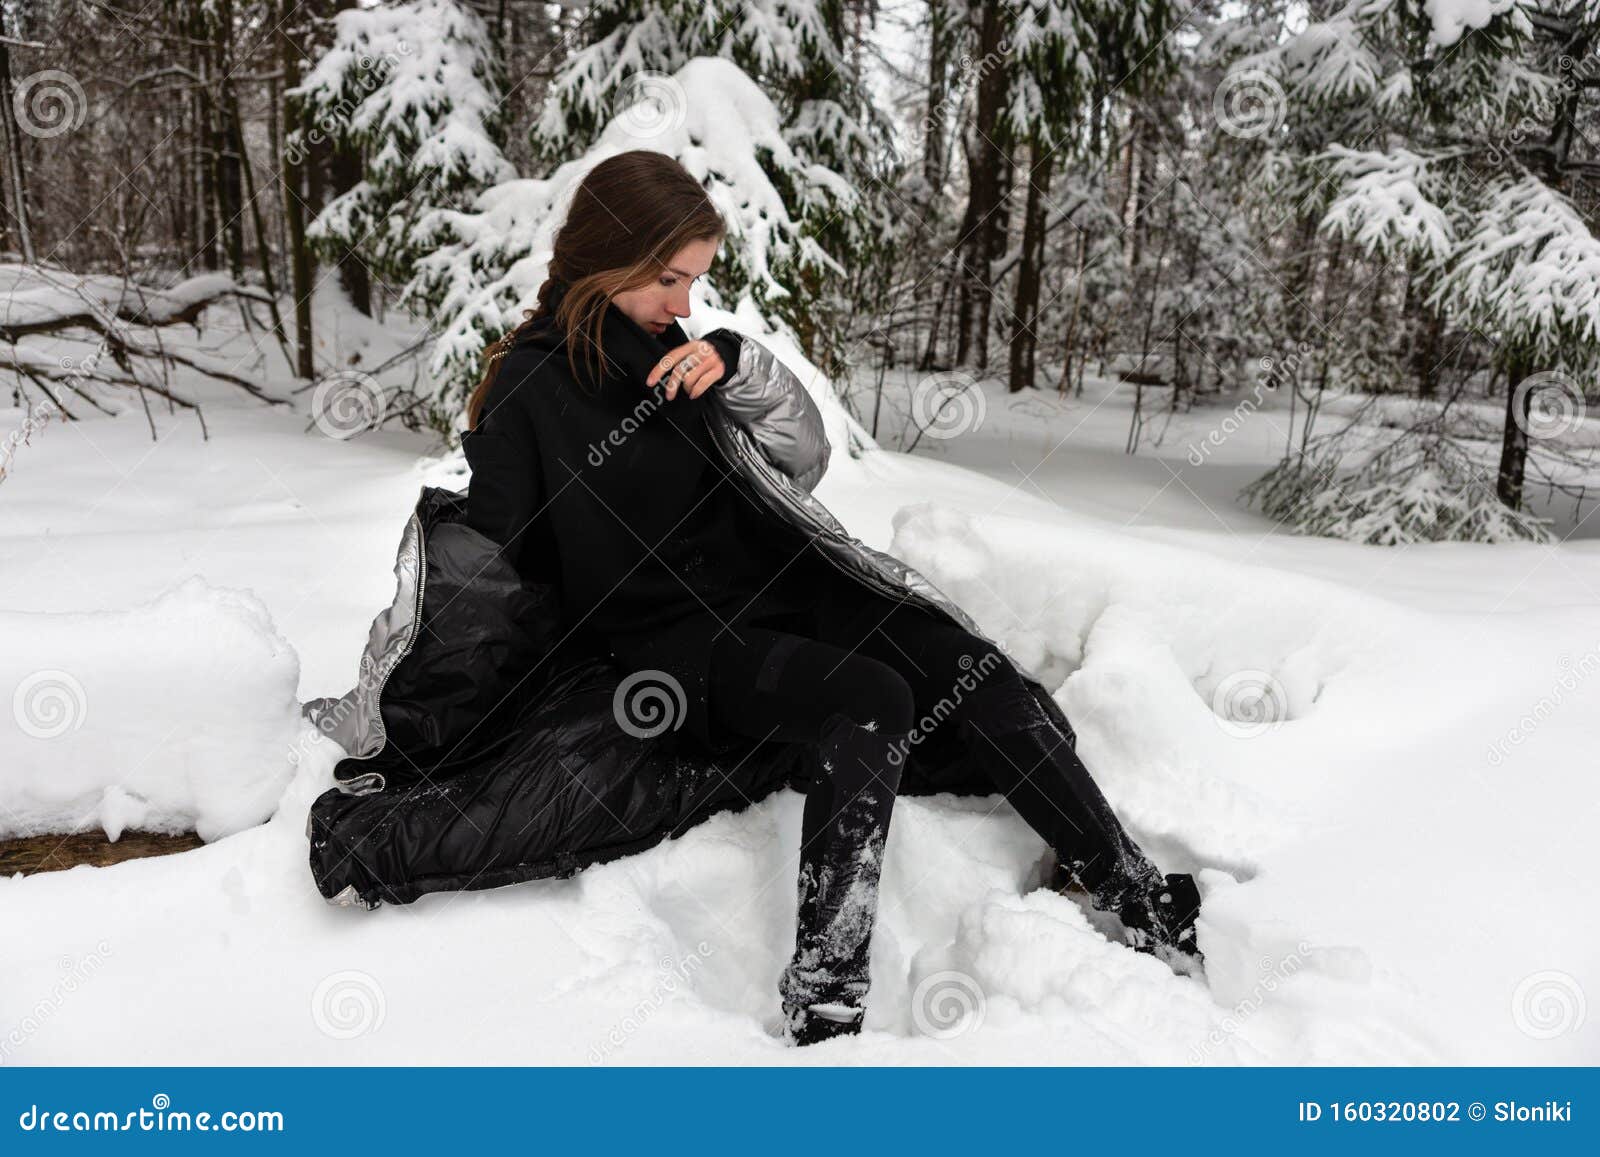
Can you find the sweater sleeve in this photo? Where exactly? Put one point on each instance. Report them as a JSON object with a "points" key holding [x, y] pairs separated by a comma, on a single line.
{"points": [[765, 397]]}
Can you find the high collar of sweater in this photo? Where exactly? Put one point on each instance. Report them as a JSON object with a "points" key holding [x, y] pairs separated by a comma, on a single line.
{"points": [[631, 351]]}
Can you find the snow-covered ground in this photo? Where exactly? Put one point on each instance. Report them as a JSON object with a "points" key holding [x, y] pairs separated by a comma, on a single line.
{"points": [[1394, 871]]}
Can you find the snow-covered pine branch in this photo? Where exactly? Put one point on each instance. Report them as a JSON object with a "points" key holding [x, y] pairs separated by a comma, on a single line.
{"points": [[1529, 272], [1383, 202], [414, 87]]}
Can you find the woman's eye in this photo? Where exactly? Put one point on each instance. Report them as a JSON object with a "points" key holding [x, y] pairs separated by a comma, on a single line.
{"points": [[669, 281]]}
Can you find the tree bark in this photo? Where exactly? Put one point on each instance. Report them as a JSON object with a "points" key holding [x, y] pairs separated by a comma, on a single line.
{"points": [[987, 162], [1025, 325]]}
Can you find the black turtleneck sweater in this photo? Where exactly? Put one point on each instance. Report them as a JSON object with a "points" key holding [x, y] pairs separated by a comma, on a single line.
{"points": [[619, 495]]}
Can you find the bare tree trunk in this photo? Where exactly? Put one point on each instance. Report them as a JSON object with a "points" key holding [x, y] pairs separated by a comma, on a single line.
{"points": [[293, 182], [1514, 441], [1025, 326], [16, 186], [942, 32], [344, 171], [987, 158]]}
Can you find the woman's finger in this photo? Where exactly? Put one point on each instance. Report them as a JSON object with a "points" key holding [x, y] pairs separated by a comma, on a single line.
{"points": [[703, 376], [707, 370], [669, 360], [690, 368], [679, 374]]}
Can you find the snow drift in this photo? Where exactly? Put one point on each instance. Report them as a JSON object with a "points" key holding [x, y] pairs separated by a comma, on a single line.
{"points": [[178, 715]]}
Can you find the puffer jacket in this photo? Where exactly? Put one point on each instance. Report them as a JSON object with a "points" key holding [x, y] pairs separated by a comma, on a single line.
{"points": [[482, 743]]}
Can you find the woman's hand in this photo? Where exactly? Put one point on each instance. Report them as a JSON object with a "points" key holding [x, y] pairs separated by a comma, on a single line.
{"points": [[694, 367]]}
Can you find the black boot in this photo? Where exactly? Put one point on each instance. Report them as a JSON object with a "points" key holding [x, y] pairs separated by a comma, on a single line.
{"points": [[1158, 920], [849, 801], [1162, 920], [809, 1026]]}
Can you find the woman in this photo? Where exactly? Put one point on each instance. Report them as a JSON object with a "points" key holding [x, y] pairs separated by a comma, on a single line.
{"points": [[593, 465]]}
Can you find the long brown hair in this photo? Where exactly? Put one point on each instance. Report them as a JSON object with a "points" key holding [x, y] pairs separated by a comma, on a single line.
{"points": [[629, 215]]}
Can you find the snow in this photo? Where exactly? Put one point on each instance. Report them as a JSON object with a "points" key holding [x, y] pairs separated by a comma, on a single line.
{"points": [[49, 299], [1531, 269], [1379, 761], [178, 715], [1451, 19], [1381, 205]]}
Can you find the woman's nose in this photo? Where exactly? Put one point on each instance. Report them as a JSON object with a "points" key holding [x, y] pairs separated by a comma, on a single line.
{"points": [[680, 303]]}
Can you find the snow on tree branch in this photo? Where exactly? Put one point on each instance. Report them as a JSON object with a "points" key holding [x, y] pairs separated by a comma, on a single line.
{"points": [[1381, 204], [1529, 270]]}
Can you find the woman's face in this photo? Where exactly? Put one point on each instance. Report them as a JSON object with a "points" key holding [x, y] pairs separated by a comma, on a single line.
{"points": [[658, 304]]}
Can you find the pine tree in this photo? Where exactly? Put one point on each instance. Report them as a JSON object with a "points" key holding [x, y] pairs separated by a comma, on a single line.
{"points": [[414, 90], [1433, 136]]}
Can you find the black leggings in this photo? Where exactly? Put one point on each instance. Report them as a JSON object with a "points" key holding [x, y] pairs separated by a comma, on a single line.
{"points": [[872, 658], [895, 672], [848, 675]]}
